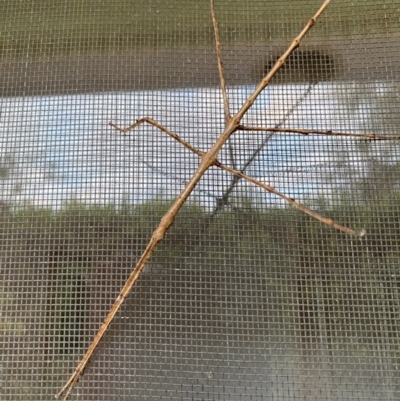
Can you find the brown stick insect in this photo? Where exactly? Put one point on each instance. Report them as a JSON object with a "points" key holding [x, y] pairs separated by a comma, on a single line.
{"points": [[209, 159]]}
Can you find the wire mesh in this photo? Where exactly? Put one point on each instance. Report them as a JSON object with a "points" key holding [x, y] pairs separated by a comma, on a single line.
{"points": [[246, 298]]}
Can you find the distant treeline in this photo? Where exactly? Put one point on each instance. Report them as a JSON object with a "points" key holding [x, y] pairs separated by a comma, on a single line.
{"points": [[323, 279]]}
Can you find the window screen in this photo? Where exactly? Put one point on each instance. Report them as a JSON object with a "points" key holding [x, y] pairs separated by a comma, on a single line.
{"points": [[247, 297]]}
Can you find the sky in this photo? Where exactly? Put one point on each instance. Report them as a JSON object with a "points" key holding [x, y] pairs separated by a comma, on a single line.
{"points": [[60, 149]]}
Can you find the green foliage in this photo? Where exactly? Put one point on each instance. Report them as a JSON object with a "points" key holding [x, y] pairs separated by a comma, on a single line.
{"points": [[42, 29]]}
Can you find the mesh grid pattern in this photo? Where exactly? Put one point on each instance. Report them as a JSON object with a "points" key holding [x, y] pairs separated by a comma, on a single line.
{"points": [[246, 298]]}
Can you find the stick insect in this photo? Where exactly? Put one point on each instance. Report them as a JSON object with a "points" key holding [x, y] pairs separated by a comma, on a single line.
{"points": [[209, 159]]}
